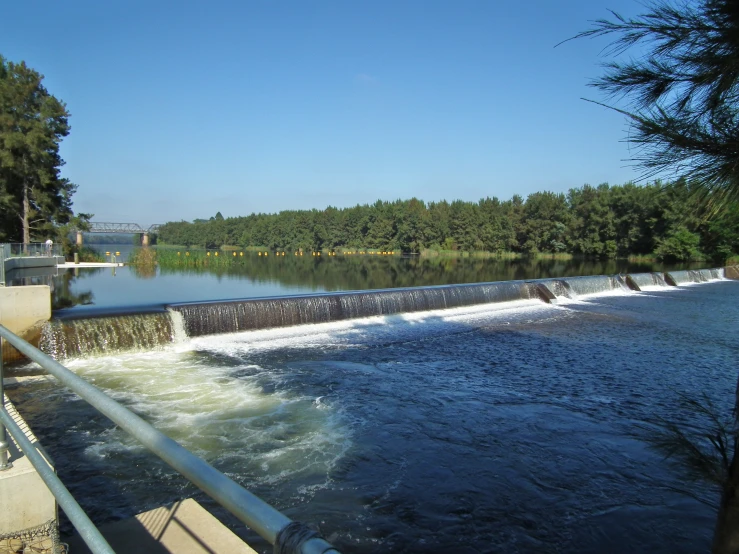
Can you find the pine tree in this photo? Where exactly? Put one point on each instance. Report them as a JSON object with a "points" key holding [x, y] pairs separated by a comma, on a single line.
{"points": [[682, 94], [34, 198]]}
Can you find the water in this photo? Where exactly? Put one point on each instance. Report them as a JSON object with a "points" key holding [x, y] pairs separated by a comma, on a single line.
{"points": [[103, 289], [507, 427]]}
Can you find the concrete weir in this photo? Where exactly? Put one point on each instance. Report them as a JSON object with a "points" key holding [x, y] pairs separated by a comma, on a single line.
{"points": [[24, 311]]}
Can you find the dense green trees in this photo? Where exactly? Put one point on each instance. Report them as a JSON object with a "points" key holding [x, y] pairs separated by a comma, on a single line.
{"points": [[34, 198], [598, 222]]}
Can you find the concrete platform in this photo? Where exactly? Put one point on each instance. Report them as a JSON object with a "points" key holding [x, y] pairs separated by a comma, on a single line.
{"points": [[72, 265], [25, 501], [23, 262], [184, 528]]}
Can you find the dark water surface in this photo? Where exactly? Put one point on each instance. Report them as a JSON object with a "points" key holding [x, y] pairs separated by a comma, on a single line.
{"points": [[254, 276], [515, 427]]}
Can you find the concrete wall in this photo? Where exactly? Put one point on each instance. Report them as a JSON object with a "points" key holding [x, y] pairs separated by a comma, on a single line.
{"points": [[25, 500], [33, 261], [24, 310]]}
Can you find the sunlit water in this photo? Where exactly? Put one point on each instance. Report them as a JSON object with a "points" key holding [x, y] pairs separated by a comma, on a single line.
{"points": [[87, 290], [514, 427]]}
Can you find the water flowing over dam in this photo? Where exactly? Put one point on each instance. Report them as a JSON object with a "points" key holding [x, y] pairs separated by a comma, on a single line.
{"points": [[69, 337], [505, 417]]}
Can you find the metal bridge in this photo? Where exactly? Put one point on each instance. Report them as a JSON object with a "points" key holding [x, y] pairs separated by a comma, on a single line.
{"points": [[135, 228]]}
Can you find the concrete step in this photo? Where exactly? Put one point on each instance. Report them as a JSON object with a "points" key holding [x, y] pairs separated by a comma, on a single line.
{"points": [[185, 528]]}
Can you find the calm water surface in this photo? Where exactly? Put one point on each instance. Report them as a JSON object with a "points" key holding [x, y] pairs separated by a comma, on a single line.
{"points": [[254, 276], [514, 427]]}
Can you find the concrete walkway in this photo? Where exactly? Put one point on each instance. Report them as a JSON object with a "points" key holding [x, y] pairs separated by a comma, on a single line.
{"points": [[183, 528], [72, 265]]}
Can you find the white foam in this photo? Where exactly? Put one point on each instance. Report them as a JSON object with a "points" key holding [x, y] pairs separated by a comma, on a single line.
{"points": [[348, 332]]}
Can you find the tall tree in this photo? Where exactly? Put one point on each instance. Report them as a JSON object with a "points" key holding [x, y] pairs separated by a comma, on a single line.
{"points": [[34, 198], [682, 100], [682, 94]]}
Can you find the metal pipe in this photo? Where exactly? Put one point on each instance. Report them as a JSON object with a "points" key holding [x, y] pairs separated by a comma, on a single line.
{"points": [[4, 461], [76, 515], [250, 509]]}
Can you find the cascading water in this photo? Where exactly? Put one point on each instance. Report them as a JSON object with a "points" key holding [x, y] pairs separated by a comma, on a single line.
{"points": [[645, 281], [515, 427], [69, 338], [261, 313], [573, 287], [676, 278]]}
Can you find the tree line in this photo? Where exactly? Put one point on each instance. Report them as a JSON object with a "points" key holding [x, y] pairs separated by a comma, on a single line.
{"points": [[664, 220]]}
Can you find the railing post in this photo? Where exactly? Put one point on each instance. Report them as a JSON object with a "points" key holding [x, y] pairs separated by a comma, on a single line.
{"points": [[4, 462]]}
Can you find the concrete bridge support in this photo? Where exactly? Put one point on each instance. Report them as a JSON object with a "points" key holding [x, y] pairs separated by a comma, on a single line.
{"points": [[79, 238], [145, 239]]}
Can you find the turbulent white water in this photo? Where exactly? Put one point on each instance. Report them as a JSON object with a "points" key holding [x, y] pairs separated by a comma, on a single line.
{"points": [[209, 394], [218, 411], [406, 432]]}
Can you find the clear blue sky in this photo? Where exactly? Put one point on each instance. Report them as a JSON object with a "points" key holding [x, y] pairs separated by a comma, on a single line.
{"points": [[183, 109]]}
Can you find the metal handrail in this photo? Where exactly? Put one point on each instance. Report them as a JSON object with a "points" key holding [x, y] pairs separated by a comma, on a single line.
{"points": [[87, 530], [23, 250], [4, 254], [247, 507]]}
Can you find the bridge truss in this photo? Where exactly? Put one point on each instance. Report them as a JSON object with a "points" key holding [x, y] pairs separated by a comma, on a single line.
{"points": [[133, 228]]}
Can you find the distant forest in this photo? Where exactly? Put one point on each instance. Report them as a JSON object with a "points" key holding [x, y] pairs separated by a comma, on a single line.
{"points": [[661, 220]]}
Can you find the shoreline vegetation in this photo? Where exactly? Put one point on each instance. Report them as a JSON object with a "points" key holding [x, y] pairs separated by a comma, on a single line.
{"points": [[179, 256], [662, 222]]}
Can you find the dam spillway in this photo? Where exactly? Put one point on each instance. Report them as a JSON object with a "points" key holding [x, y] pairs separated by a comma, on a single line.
{"points": [[504, 426], [73, 336]]}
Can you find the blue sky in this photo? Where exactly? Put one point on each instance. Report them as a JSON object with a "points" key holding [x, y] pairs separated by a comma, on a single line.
{"points": [[183, 109]]}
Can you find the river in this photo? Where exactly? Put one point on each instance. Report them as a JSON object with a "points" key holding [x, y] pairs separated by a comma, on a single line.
{"points": [[509, 427]]}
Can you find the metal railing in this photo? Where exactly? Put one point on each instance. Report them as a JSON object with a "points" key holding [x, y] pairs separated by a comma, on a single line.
{"points": [[20, 250], [287, 536]]}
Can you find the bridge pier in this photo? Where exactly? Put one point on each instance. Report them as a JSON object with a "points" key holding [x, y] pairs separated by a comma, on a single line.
{"points": [[79, 238], [145, 239]]}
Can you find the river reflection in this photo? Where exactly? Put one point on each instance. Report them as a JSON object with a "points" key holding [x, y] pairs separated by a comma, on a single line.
{"points": [[254, 276]]}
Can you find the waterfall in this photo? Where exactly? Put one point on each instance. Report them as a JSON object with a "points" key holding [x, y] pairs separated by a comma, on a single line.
{"points": [[76, 335], [573, 287], [67, 338], [260, 313], [676, 278], [712, 274], [641, 281]]}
